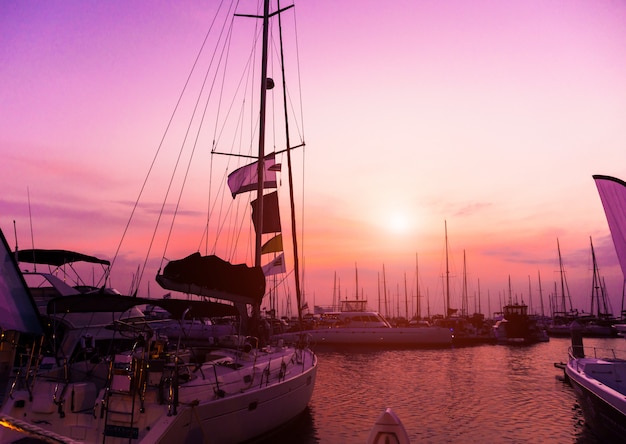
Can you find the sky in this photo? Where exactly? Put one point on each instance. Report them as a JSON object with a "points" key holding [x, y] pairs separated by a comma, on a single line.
{"points": [[487, 117]]}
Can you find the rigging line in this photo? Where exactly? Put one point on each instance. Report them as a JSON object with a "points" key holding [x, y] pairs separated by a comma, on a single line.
{"points": [[226, 51], [298, 71], [296, 262], [156, 155], [193, 150], [246, 75], [290, 101]]}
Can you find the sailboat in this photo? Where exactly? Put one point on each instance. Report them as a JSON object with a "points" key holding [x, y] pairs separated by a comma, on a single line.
{"points": [[466, 329], [158, 390], [599, 322], [562, 318]]}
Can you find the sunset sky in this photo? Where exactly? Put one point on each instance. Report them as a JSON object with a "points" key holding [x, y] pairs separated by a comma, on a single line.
{"points": [[489, 116]]}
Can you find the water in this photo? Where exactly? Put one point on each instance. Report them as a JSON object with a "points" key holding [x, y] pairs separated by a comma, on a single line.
{"points": [[488, 393]]}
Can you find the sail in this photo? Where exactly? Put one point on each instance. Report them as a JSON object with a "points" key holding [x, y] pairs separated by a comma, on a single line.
{"points": [[214, 277], [613, 195], [19, 311]]}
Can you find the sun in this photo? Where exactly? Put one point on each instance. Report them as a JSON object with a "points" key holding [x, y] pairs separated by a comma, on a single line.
{"points": [[398, 223]]}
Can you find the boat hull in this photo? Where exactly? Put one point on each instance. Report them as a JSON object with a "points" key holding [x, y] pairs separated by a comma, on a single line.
{"points": [[604, 407], [240, 414], [379, 337]]}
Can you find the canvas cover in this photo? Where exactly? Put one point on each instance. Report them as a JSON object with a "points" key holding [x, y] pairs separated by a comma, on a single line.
{"points": [[115, 303], [214, 277]]}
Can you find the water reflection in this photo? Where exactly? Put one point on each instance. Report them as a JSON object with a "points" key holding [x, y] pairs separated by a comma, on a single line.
{"points": [[488, 393]]}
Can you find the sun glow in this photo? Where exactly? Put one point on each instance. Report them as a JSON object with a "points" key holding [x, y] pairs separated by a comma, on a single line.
{"points": [[398, 223]]}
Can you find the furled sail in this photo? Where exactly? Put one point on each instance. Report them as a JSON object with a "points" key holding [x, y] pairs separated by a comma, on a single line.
{"points": [[613, 195], [214, 277], [19, 311]]}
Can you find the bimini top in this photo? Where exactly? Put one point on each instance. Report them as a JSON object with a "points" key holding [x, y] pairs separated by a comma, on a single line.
{"points": [[103, 303], [214, 277], [56, 257]]}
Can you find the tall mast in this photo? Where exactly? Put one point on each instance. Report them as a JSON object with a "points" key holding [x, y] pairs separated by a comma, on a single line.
{"points": [[378, 289], [417, 282], [296, 262], [563, 304], [595, 283], [530, 297], [465, 310], [447, 314], [261, 154], [540, 294], [356, 274], [385, 291], [406, 299]]}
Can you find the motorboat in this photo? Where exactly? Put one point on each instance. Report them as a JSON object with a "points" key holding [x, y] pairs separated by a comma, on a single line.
{"points": [[518, 327], [362, 327], [598, 377]]}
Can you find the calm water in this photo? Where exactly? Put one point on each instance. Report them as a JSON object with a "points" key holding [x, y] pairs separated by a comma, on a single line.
{"points": [[489, 393]]}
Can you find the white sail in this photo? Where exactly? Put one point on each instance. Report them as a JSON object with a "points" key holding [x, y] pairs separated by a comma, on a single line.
{"points": [[613, 195]]}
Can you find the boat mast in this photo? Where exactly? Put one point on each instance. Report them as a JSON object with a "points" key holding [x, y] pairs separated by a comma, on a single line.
{"points": [[406, 299], [530, 297], [385, 292], [465, 309], [447, 314], [540, 293], [356, 274], [417, 285], [261, 153], [564, 305], [597, 290], [296, 262]]}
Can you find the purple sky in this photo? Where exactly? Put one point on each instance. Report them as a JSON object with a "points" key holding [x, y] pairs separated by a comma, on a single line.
{"points": [[489, 115]]}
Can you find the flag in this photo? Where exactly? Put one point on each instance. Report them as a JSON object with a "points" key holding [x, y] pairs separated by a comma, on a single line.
{"points": [[276, 266], [613, 196], [305, 306], [274, 245], [246, 178], [271, 215]]}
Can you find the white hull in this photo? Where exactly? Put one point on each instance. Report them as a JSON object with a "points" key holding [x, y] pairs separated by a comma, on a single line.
{"points": [[599, 384], [415, 337], [387, 429], [252, 402]]}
